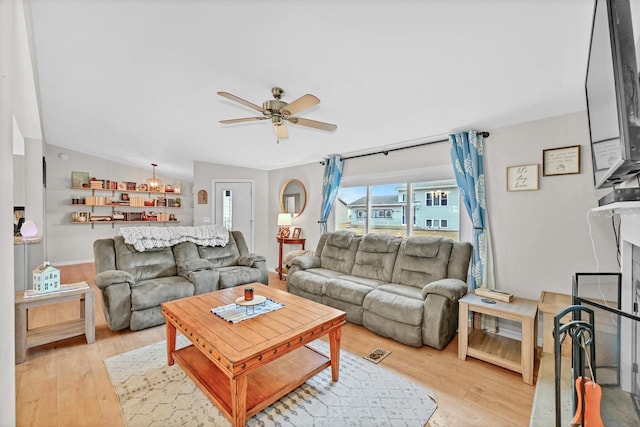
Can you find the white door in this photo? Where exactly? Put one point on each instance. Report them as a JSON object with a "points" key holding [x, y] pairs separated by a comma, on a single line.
{"points": [[233, 207]]}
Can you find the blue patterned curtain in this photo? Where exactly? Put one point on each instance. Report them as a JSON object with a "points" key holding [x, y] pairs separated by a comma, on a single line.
{"points": [[467, 154], [330, 185]]}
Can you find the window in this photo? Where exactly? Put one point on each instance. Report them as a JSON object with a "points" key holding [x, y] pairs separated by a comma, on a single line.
{"points": [[436, 223], [436, 198], [386, 209]]}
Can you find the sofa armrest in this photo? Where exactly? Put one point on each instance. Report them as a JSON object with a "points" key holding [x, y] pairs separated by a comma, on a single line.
{"points": [[306, 262], [112, 277], [249, 260], [186, 267], [116, 297], [453, 289]]}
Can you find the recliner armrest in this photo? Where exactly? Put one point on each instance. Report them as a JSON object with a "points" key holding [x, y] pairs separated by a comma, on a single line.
{"points": [[112, 277], [453, 289], [306, 261], [186, 267], [248, 260]]}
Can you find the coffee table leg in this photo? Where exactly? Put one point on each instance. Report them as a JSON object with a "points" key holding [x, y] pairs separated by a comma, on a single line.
{"points": [[334, 346], [171, 342], [239, 400]]}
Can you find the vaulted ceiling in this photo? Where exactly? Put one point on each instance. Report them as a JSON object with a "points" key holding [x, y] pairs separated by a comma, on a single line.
{"points": [[136, 80]]}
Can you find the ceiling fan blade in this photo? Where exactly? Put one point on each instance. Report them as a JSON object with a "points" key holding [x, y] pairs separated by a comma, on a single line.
{"points": [[281, 130], [242, 101], [246, 119], [313, 124], [302, 103]]}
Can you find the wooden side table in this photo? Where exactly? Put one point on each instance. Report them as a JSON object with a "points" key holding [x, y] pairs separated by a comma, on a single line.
{"points": [[27, 338], [286, 241], [518, 356], [549, 304]]}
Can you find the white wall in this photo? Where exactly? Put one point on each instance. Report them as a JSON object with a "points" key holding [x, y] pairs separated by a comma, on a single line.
{"points": [[7, 295], [542, 237], [311, 176], [66, 242], [204, 173]]}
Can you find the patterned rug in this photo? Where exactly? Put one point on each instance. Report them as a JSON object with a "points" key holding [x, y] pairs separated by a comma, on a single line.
{"points": [[154, 394]]}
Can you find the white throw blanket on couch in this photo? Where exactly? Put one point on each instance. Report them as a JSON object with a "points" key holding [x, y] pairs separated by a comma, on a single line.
{"points": [[161, 237]]}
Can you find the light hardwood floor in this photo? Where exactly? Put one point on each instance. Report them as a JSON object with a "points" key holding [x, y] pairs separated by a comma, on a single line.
{"points": [[66, 383]]}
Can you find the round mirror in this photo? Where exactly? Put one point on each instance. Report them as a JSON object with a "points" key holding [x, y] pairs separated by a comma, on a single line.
{"points": [[293, 197]]}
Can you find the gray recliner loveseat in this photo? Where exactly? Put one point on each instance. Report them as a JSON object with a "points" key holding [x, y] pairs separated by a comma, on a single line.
{"points": [[406, 289], [134, 283]]}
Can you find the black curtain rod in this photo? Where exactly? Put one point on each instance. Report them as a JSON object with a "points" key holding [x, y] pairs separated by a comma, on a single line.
{"points": [[484, 134]]}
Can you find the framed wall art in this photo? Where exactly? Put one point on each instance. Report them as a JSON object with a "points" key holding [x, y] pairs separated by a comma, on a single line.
{"points": [[561, 161], [79, 179], [522, 177], [296, 232]]}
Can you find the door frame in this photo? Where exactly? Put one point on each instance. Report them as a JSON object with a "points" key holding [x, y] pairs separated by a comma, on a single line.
{"points": [[214, 200]]}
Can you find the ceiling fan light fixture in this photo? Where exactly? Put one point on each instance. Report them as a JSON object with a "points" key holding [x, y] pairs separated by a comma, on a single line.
{"points": [[278, 110]]}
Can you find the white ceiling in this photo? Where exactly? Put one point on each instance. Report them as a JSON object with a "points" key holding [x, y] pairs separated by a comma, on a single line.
{"points": [[136, 80]]}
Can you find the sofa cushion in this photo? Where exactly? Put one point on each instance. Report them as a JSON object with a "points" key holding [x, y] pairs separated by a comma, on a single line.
{"points": [[339, 252], [422, 260], [343, 289], [394, 302], [153, 292], [312, 281], [221, 256], [150, 264], [193, 265], [376, 256], [238, 275]]}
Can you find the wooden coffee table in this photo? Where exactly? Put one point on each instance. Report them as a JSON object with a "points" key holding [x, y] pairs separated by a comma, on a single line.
{"points": [[245, 367]]}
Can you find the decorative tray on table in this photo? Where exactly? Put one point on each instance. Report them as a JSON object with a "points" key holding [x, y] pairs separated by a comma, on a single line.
{"points": [[257, 299]]}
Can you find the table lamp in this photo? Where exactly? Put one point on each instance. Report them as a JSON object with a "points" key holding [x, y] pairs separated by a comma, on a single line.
{"points": [[284, 221]]}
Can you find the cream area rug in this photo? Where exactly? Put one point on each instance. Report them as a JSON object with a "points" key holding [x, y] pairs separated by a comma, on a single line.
{"points": [[154, 394]]}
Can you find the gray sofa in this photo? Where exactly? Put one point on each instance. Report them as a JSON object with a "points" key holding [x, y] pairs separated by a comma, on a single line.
{"points": [[134, 284], [402, 288]]}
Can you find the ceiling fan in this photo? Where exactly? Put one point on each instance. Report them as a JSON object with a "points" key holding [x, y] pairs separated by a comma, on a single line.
{"points": [[280, 111]]}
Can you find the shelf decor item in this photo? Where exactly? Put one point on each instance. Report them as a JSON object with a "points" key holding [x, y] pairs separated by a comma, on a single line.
{"points": [[154, 183], [79, 179], [561, 161], [46, 278], [522, 177]]}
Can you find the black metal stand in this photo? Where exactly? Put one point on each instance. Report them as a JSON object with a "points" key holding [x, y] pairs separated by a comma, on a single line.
{"points": [[581, 332]]}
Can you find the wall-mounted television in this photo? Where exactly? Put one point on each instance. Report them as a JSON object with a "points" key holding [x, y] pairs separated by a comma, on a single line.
{"points": [[613, 93]]}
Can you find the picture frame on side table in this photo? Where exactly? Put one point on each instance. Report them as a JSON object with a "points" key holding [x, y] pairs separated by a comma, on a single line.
{"points": [[561, 161], [522, 177], [296, 233]]}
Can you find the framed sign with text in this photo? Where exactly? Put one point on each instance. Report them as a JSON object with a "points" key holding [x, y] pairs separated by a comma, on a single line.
{"points": [[522, 177], [561, 161]]}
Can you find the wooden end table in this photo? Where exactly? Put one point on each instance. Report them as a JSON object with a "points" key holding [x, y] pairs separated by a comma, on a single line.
{"points": [[286, 241], [27, 338], [518, 356], [246, 366]]}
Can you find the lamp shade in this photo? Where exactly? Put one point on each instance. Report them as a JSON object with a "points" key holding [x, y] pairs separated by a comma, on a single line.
{"points": [[29, 229], [285, 219]]}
